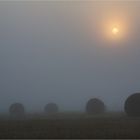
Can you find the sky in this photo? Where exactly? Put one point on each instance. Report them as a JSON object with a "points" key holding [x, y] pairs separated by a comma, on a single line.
{"points": [[64, 52]]}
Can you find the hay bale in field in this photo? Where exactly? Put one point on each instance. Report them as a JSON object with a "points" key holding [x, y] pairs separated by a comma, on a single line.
{"points": [[132, 105], [95, 106], [51, 108], [17, 110]]}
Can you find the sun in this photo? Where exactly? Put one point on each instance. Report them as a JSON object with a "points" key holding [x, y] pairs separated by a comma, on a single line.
{"points": [[115, 30]]}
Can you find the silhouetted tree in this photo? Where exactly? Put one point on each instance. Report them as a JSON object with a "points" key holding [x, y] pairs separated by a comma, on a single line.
{"points": [[95, 106], [132, 105], [17, 110], [51, 108]]}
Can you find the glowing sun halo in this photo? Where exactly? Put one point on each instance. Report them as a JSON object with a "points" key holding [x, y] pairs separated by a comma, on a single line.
{"points": [[115, 30]]}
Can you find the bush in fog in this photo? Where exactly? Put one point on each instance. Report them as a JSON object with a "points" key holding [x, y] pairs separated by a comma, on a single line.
{"points": [[51, 108], [95, 106], [17, 110], [132, 105]]}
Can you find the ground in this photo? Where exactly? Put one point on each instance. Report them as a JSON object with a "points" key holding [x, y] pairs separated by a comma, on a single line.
{"points": [[72, 125]]}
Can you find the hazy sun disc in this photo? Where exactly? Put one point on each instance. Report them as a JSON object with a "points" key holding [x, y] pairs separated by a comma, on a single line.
{"points": [[115, 30]]}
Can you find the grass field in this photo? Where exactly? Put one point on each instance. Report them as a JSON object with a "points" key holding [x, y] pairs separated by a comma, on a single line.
{"points": [[72, 125]]}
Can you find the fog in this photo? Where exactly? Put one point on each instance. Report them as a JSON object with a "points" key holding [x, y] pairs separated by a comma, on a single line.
{"points": [[58, 52]]}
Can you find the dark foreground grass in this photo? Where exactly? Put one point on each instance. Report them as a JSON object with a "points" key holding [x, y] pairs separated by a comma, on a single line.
{"points": [[86, 127]]}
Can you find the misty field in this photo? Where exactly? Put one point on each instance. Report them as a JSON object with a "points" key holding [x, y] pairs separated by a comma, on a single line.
{"points": [[72, 125]]}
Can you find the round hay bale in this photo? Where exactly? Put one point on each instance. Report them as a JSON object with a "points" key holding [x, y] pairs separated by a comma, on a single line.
{"points": [[95, 106], [132, 105], [51, 108], [17, 110]]}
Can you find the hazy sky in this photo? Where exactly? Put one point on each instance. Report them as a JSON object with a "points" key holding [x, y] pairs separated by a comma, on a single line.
{"points": [[63, 52]]}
